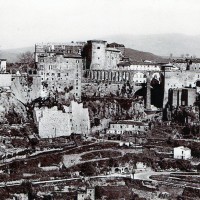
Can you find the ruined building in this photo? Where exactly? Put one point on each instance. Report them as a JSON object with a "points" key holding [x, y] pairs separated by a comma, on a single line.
{"points": [[52, 122]]}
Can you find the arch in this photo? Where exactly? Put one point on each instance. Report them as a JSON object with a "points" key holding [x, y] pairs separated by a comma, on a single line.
{"points": [[197, 83], [117, 170], [156, 75], [126, 170]]}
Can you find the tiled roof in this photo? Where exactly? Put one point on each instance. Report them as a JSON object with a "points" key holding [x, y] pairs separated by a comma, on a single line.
{"points": [[130, 122]]}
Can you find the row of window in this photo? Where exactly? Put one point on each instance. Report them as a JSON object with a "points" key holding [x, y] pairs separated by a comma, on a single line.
{"points": [[53, 74], [125, 126]]}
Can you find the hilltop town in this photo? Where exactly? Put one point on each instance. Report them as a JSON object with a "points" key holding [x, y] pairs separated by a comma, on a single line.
{"points": [[83, 120]]}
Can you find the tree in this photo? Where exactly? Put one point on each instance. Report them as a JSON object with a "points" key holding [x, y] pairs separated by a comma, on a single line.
{"points": [[87, 169], [26, 58]]}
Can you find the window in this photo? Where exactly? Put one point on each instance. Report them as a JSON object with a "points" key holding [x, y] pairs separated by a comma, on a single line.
{"points": [[77, 61], [98, 47], [58, 74], [52, 74], [47, 74]]}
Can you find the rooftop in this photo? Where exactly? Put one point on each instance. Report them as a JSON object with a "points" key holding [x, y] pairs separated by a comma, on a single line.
{"points": [[130, 122], [182, 148]]}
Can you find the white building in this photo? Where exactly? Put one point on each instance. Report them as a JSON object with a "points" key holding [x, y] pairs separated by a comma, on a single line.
{"points": [[52, 122], [182, 153], [2, 65], [123, 126], [90, 194], [5, 80]]}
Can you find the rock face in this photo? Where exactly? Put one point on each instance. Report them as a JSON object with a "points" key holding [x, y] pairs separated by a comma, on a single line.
{"points": [[11, 109], [26, 88], [114, 109]]}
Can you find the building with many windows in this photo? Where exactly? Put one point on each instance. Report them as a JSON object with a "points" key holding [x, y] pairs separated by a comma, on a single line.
{"points": [[61, 73], [123, 126]]}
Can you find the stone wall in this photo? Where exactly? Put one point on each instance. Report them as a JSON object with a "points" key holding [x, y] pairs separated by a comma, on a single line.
{"points": [[61, 74], [26, 88], [5, 80], [179, 79], [52, 122]]}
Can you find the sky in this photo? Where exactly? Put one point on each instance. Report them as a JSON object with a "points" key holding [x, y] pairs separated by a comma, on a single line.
{"points": [[26, 22]]}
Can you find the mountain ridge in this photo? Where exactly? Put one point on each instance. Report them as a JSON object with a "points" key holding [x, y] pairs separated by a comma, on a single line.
{"points": [[12, 54]]}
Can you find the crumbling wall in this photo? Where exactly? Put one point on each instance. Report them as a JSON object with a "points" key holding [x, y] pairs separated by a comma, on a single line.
{"points": [[179, 79], [26, 88]]}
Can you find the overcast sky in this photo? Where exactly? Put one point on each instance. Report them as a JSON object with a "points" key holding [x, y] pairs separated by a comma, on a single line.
{"points": [[26, 22]]}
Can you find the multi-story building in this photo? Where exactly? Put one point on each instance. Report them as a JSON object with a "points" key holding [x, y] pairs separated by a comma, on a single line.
{"points": [[61, 72], [101, 57], [88, 194], [182, 97], [52, 122], [60, 67], [120, 127], [50, 49]]}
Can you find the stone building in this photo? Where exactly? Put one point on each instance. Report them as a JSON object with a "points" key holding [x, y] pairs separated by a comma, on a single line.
{"points": [[89, 194], [120, 127], [121, 47], [5, 81], [182, 97], [52, 122], [101, 57], [50, 49], [2, 65], [182, 153], [61, 72]]}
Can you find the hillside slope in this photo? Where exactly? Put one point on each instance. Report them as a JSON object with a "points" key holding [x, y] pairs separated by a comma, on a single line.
{"points": [[135, 55], [12, 54], [161, 44]]}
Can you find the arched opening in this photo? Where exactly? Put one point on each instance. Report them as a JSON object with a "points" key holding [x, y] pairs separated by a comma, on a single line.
{"points": [[157, 89], [117, 170]]}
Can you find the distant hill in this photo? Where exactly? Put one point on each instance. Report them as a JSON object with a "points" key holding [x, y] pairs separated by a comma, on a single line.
{"points": [[161, 44], [140, 55], [12, 54]]}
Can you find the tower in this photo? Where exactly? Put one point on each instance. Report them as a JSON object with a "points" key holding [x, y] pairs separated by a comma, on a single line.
{"points": [[96, 54]]}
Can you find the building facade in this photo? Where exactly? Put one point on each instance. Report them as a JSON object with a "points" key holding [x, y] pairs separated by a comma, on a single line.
{"points": [[2, 65], [52, 122], [130, 126], [89, 194], [61, 73], [182, 97], [99, 56], [182, 153]]}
